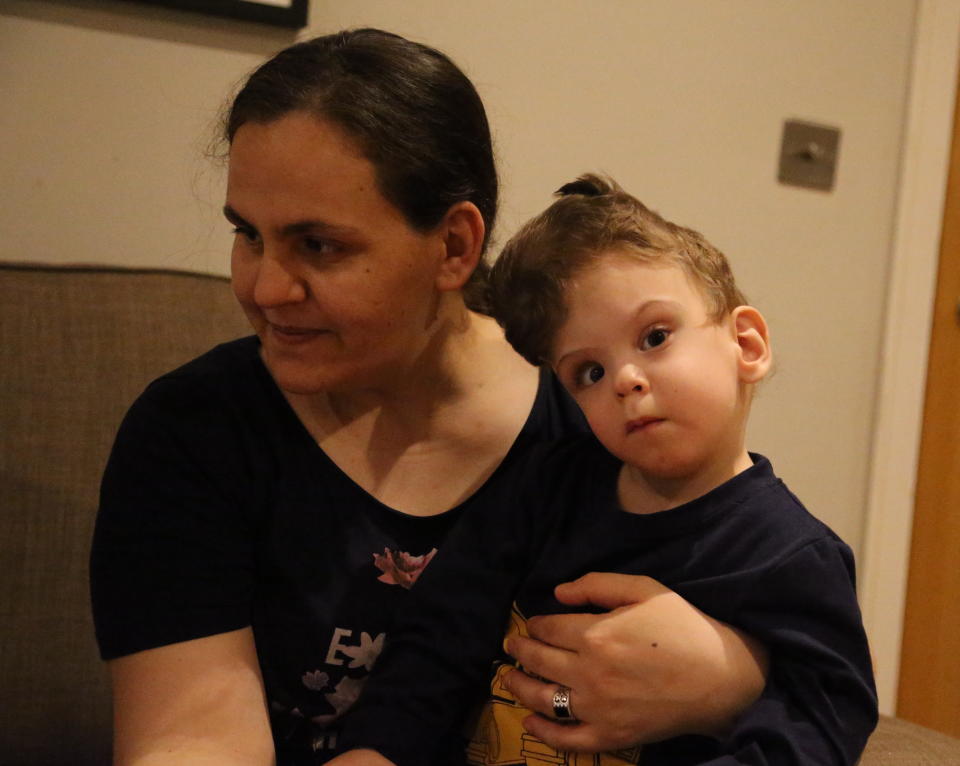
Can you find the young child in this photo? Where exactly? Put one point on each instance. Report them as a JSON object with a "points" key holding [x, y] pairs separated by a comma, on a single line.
{"points": [[643, 324]]}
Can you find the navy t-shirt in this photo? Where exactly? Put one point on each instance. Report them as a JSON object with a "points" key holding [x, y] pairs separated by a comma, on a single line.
{"points": [[219, 510]]}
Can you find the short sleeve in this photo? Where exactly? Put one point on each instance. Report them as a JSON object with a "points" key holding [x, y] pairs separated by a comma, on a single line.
{"points": [[173, 554]]}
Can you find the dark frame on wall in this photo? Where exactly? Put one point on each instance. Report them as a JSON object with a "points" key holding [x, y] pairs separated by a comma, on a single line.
{"points": [[281, 13]]}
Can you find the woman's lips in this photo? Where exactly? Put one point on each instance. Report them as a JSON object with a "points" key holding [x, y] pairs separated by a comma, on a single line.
{"points": [[293, 334]]}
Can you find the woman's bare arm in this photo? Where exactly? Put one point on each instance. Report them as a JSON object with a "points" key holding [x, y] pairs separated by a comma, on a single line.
{"points": [[651, 668], [197, 702]]}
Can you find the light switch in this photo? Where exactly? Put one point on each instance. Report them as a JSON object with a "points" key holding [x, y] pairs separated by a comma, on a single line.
{"points": [[808, 155]]}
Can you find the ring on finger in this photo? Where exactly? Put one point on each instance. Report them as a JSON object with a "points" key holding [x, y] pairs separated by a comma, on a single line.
{"points": [[561, 704]]}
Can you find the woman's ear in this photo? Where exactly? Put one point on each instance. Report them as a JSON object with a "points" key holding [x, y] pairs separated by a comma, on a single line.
{"points": [[753, 340], [462, 231]]}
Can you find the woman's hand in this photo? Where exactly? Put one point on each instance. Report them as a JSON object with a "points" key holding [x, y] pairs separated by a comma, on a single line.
{"points": [[651, 668]]}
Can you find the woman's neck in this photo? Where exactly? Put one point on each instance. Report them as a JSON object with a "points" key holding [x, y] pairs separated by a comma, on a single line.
{"points": [[459, 354], [426, 443]]}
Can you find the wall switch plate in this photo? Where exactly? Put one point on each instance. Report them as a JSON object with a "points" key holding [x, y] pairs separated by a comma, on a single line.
{"points": [[808, 155]]}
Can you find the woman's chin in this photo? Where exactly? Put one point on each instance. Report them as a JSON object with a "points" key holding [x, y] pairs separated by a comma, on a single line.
{"points": [[305, 379], [298, 376]]}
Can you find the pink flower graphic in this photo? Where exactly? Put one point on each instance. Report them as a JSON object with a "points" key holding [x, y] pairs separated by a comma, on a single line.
{"points": [[400, 568], [316, 680]]}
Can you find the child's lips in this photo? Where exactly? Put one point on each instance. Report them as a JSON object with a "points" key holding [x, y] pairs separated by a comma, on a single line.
{"points": [[642, 424]]}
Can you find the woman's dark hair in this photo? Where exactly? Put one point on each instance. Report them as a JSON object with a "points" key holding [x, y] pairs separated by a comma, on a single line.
{"points": [[414, 114]]}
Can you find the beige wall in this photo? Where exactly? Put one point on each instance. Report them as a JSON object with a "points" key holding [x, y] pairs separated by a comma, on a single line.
{"points": [[108, 109]]}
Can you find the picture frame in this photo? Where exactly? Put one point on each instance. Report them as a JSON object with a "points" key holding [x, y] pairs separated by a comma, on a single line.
{"points": [[282, 13]]}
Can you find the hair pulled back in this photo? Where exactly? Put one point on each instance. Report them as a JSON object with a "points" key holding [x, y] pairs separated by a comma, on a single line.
{"points": [[594, 218], [413, 113]]}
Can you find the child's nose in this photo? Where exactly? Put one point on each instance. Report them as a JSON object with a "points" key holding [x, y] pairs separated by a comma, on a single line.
{"points": [[630, 379]]}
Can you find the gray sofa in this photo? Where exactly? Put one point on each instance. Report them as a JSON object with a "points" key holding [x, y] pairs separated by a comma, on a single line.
{"points": [[77, 344]]}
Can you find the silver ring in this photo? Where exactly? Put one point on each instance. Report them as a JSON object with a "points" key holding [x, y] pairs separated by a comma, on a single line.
{"points": [[561, 704]]}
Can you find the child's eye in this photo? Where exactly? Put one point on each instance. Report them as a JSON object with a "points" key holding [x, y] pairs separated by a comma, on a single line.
{"points": [[588, 375], [654, 338]]}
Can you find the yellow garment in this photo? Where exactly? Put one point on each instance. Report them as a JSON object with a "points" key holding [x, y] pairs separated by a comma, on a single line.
{"points": [[499, 739]]}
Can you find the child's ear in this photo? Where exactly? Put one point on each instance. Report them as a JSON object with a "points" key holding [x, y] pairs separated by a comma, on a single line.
{"points": [[462, 231], [754, 342]]}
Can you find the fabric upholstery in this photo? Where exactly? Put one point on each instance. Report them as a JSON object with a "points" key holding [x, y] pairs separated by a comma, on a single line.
{"points": [[897, 742], [76, 347]]}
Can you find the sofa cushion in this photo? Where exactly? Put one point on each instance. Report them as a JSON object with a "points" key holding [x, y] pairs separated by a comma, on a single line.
{"points": [[897, 742]]}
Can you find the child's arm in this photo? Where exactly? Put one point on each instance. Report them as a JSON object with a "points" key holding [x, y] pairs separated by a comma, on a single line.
{"points": [[820, 703]]}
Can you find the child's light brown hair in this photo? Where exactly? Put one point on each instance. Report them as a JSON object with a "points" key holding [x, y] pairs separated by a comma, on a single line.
{"points": [[592, 219]]}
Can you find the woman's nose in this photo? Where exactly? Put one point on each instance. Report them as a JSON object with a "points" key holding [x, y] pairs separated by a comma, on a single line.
{"points": [[629, 379], [277, 283]]}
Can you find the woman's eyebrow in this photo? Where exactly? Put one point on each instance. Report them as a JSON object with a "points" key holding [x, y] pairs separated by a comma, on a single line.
{"points": [[303, 227], [298, 227], [235, 218]]}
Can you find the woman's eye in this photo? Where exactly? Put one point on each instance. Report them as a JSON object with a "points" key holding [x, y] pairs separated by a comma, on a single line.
{"points": [[655, 338], [318, 246], [588, 375], [247, 233]]}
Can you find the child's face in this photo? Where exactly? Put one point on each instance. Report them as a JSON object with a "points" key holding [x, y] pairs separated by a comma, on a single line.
{"points": [[659, 381]]}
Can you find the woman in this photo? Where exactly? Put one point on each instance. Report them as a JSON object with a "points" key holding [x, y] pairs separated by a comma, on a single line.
{"points": [[266, 506]]}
